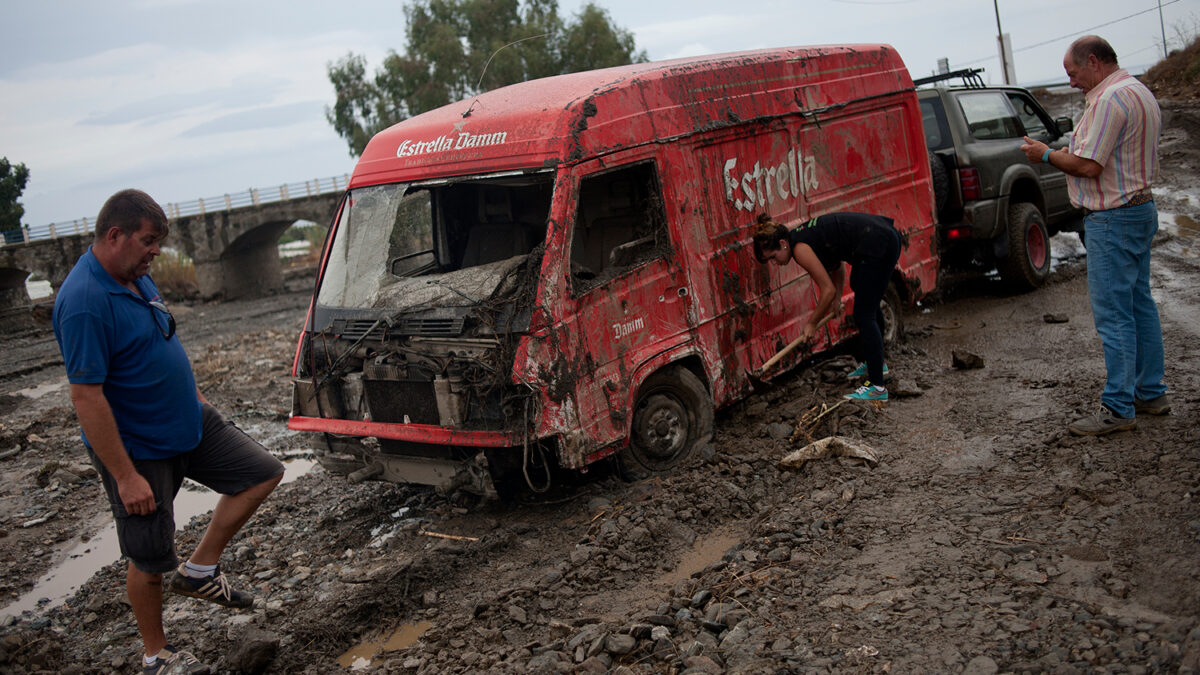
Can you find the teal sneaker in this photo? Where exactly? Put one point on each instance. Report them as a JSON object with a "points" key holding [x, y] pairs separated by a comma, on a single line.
{"points": [[861, 371], [867, 392]]}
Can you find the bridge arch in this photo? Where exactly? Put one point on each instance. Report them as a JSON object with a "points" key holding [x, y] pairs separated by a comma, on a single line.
{"points": [[234, 250]]}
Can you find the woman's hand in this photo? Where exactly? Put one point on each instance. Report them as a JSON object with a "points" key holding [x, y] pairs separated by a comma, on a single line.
{"points": [[810, 332]]}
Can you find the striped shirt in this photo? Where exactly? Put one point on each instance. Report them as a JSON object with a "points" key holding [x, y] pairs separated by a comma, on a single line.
{"points": [[1118, 130]]}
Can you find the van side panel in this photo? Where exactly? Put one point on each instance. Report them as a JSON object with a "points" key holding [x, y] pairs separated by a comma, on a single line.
{"points": [[863, 157]]}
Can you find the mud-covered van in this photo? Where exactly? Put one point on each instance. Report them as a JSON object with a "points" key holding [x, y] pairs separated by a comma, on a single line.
{"points": [[559, 271]]}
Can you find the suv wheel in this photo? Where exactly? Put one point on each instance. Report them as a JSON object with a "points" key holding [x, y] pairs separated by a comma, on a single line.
{"points": [[1027, 265]]}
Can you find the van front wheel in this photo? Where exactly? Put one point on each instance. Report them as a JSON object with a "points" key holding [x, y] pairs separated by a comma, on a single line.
{"points": [[672, 420]]}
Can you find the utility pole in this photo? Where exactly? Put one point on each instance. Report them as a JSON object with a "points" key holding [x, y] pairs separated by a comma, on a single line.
{"points": [[1163, 28], [1000, 40]]}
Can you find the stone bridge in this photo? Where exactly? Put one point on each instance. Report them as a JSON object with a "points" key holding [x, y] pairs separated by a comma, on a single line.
{"points": [[234, 249]]}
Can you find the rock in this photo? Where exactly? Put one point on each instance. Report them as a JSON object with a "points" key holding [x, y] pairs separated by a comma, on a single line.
{"points": [[905, 388], [619, 645], [594, 665], [1055, 318], [701, 598], [517, 614], [253, 650], [735, 636], [964, 360], [981, 665], [549, 662], [702, 664], [778, 430]]}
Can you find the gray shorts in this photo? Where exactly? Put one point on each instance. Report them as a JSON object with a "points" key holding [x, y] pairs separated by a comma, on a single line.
{"points": [[227, 461]]}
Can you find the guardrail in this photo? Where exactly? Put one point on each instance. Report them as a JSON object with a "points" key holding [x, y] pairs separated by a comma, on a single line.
{"points": [[226, 202]]}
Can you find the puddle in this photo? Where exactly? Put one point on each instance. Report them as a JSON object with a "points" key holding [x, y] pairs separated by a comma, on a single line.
{"points": [[88, 557], [362, 656], [703, 553], [43, 389], [1188, 231]]}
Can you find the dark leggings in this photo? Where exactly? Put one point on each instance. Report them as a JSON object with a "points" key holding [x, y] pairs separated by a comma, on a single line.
{"points": [[869, 278]]}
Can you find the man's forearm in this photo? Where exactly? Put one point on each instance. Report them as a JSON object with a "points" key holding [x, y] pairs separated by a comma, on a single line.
{"points": [[100, 427], [1073, 165]]}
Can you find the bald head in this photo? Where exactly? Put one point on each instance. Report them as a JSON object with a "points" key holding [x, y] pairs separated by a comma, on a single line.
{"points": [[1092, 45]]}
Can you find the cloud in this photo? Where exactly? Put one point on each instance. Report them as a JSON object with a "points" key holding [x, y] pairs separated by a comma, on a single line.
{"points": [[260, 118], [246, 91]]}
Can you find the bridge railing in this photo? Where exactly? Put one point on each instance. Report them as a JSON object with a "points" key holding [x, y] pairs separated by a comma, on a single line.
{"points": [[226, 202]]}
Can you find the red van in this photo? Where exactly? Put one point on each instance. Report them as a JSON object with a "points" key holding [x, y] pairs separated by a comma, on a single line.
{"points": [[560, 270]]}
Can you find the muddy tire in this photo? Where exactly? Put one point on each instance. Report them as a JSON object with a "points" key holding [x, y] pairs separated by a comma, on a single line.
{"points": [[893, 319], [1027, 265], [672, 421]]}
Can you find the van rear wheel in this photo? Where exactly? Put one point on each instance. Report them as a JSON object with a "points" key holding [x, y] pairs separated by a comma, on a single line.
{"points": [[893, 322], [1027, 265], [673, 418]]}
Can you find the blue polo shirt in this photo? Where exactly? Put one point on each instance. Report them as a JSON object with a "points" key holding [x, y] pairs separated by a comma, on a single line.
{"points": [[111, 336]]}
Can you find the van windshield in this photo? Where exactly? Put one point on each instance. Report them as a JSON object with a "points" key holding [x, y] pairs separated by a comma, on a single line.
{"points": [[438, 244]]}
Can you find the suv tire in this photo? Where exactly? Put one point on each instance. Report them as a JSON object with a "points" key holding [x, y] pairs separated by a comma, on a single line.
{"points": [[941, 181], [1027, 265]]}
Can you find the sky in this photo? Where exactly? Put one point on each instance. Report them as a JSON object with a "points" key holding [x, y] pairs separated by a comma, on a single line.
{"points": [[191, 99]]}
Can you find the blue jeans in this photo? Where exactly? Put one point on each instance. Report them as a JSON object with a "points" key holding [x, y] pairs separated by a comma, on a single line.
{"points": [[1118, 266]]}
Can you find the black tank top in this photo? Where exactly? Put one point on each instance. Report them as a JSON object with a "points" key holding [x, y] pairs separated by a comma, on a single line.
{"points": [[845, 237]]}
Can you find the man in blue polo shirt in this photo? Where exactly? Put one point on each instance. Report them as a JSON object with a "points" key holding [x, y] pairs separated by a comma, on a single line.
{"points": [[146, 425]]}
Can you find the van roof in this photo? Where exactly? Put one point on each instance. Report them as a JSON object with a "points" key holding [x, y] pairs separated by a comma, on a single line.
{"points": [[566, 118]]}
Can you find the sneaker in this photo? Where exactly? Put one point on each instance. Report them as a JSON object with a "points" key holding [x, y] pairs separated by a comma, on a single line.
{"points": [[861, 371], [867, 392], [214, 589], [177, 662], [1103, 422], [1155, 406]]}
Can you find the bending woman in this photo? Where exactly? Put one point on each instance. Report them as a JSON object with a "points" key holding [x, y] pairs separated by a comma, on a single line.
{"points": [[871, 245]]}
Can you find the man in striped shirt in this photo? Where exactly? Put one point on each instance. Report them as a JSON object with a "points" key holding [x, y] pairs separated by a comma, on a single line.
{"points": [[1112, 163]]}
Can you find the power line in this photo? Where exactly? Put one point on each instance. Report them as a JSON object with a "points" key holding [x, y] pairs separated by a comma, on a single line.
{"points": [[1069, 35]]}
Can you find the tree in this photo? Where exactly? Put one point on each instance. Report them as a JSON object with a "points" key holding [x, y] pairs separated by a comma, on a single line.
{"points": [[12, 184], [458, 48]]}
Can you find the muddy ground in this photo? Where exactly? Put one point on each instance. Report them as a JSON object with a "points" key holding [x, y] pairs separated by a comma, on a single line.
{"points": [[984, 539]]}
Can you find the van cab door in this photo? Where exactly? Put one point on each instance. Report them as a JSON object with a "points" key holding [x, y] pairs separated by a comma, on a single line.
{"points": [[632, 296]]}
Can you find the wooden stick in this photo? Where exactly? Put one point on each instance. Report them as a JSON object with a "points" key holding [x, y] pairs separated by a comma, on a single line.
{"points": [[455, 537]]}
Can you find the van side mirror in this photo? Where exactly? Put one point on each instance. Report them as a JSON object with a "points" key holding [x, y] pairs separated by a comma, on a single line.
{"points": [[1064, 125], [630, 252]]}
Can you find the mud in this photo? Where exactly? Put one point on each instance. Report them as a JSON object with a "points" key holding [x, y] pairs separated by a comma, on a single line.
{"points": [[986, 539]]}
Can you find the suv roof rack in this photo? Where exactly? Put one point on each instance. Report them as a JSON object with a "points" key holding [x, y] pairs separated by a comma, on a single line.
{"points": [[970, 78]]}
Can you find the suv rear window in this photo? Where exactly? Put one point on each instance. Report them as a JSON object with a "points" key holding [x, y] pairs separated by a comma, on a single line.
{"points": [[933, 118], [989, 116]]}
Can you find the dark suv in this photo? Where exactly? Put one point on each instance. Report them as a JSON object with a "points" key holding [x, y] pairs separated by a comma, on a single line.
{"points": [[995, 208]]}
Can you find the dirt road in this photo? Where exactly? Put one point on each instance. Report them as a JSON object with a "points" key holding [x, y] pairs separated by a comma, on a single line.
{"points": [[985, 539]]}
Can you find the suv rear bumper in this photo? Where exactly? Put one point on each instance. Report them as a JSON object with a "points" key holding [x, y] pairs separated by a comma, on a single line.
{"points": [[982, 219]]}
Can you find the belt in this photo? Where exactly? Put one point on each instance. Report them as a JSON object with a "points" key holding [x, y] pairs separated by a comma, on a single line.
{"points": [[1138, 198]]}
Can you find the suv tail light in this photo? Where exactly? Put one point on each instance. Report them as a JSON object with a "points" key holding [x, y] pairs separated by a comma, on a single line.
{"points": [[969, 179]]}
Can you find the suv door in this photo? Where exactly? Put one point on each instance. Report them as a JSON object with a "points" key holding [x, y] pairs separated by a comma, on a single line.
{"points": [[1039, 126]]}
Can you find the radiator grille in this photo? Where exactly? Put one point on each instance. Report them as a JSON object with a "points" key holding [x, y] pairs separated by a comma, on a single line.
{"points": [[354, 329]]}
